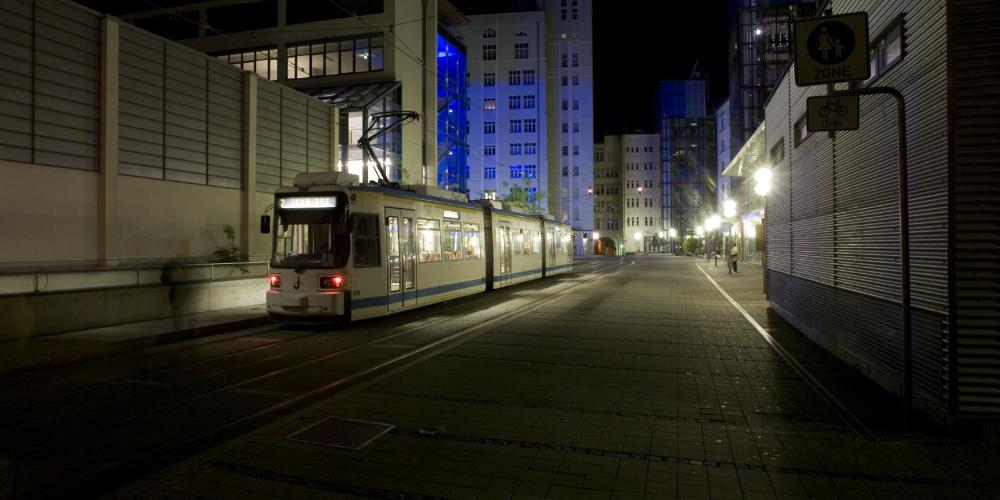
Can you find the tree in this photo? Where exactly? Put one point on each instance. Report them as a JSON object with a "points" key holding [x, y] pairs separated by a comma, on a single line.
{"points": [[519, 196]]}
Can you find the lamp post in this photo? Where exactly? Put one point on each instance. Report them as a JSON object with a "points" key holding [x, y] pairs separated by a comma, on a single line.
{"points": [[762, 177]]}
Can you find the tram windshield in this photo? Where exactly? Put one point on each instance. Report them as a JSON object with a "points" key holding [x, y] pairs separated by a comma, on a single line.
{"points": [[310, 238]]}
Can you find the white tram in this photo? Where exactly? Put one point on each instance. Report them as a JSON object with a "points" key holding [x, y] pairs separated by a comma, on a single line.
{"points": [[349, 251]]}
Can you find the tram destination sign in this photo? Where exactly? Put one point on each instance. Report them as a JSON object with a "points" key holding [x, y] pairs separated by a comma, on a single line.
{"points": [[834, 112], [831, 49]]}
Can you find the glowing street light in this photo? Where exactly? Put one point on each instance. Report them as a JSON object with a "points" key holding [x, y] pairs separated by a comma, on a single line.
{"points": [[672, 232], [729, 208], [637, 236], [712, 223], [763, 179], [699, 231]]}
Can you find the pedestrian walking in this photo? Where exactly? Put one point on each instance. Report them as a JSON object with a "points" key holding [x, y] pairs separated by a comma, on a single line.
{"points": [[717, 252], [734, 254]]}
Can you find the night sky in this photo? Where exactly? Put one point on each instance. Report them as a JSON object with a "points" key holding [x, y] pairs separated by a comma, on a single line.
{"points": [[634, 48]]}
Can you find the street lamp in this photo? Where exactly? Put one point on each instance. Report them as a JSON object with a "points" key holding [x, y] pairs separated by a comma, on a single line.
{"points": [[638, 237], [762, 177], [729, 208]]}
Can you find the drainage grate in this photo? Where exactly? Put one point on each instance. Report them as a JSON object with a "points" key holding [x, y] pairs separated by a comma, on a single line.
{"points": [[341, 433]]}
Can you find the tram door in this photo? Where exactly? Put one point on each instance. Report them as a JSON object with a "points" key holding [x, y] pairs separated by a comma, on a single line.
{"points": [[401, 260], [505, 257]]}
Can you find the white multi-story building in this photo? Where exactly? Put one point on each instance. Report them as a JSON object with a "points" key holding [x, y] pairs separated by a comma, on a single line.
{"points": [[507, 126], [643, 193], [570, 87]]}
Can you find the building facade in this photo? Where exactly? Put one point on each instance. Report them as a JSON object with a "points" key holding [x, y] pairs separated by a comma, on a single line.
{"points": [[508, 152], [687, 155], [608, 202], [570, 86], [833, 222], [344, 56], [642, 193]]}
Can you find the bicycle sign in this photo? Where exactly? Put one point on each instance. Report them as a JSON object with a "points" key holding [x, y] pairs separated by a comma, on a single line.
{"points": [[839, 112]]}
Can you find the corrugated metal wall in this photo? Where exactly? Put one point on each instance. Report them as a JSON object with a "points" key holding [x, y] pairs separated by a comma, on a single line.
{"points": [[293, 135], [975, 120], [50, 100], [833, 218]]}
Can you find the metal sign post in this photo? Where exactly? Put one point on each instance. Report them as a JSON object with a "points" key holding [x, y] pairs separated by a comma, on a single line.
{"points": [[834, 49]]}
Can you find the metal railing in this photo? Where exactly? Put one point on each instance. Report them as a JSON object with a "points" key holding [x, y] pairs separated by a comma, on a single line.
{"points": [[37, 281]]}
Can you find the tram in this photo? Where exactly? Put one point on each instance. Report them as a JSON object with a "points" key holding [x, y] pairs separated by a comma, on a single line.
{"points": [[349, 251]]}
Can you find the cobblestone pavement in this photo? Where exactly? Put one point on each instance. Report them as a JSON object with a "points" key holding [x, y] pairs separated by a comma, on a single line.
{"points": [[648, 384]]}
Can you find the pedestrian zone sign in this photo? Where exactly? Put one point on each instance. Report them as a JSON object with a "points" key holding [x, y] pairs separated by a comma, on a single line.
{"points": [[832, 112], [831, 49]]}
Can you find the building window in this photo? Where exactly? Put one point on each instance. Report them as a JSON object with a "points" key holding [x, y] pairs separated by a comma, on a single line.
{"points": [[515, 126], [565, 60], [263, 61], [576, 171], [564, 80], [490, 52], [576, 79], [576, 59], [529, 77], [529, 102], [576, 104], [565, 105], [801, 131], [565, 150], [489, 79], [565, 126], [490, 173], [516, 172], [563, 14], [489, 127], [515, 148], [520, 51], [335, 57], [489, 150], [514, 102], [576, 150], [490, 103], [574, 13], [887, 50], [576, 126], [530, 148], [531, 171], [530, 125], [489, 33], [514, 77], [778, 151]]}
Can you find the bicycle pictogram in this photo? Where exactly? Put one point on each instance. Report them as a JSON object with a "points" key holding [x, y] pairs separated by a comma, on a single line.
{"points": [[833, 106]]}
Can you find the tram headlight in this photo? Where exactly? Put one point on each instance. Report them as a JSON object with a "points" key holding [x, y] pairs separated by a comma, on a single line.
{"points": [[275, 280], [331, 281]]}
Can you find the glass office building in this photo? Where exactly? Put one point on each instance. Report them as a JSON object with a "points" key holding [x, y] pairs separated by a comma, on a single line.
{"points": [[452, 119]]}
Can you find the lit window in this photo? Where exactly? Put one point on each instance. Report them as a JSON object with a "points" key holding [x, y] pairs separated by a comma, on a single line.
{"points": [[490, 103], [335, 57], [516, 172], [801, 131], [887, 50]]}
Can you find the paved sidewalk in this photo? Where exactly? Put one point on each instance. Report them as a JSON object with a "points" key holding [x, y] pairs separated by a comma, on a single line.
{"points": [[34, 352], [645, 385]]}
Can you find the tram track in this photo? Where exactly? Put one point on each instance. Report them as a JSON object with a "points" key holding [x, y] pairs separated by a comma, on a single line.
{"points": [[111, 474]]}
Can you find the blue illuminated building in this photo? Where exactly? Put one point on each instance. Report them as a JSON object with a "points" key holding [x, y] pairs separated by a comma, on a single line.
{"points": [[453, 165]]}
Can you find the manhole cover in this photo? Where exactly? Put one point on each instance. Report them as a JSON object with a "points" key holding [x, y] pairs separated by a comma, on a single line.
{"points": [[341, 433]]}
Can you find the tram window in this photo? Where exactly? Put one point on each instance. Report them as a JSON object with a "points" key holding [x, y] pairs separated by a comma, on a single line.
{"points": [[309, 238], [429, 240], [536, 243], [550, 241], [471, 242], [518, 245], [366, 251], [451, 239]]}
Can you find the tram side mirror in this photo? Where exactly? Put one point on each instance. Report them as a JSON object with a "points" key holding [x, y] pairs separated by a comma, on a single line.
{"points": [[265, 224]]}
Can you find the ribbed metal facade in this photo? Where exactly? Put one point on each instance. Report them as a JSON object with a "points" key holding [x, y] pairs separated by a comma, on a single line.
{"points": [[833, 217], [50, 97], [293, 135], [975, 191]]}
